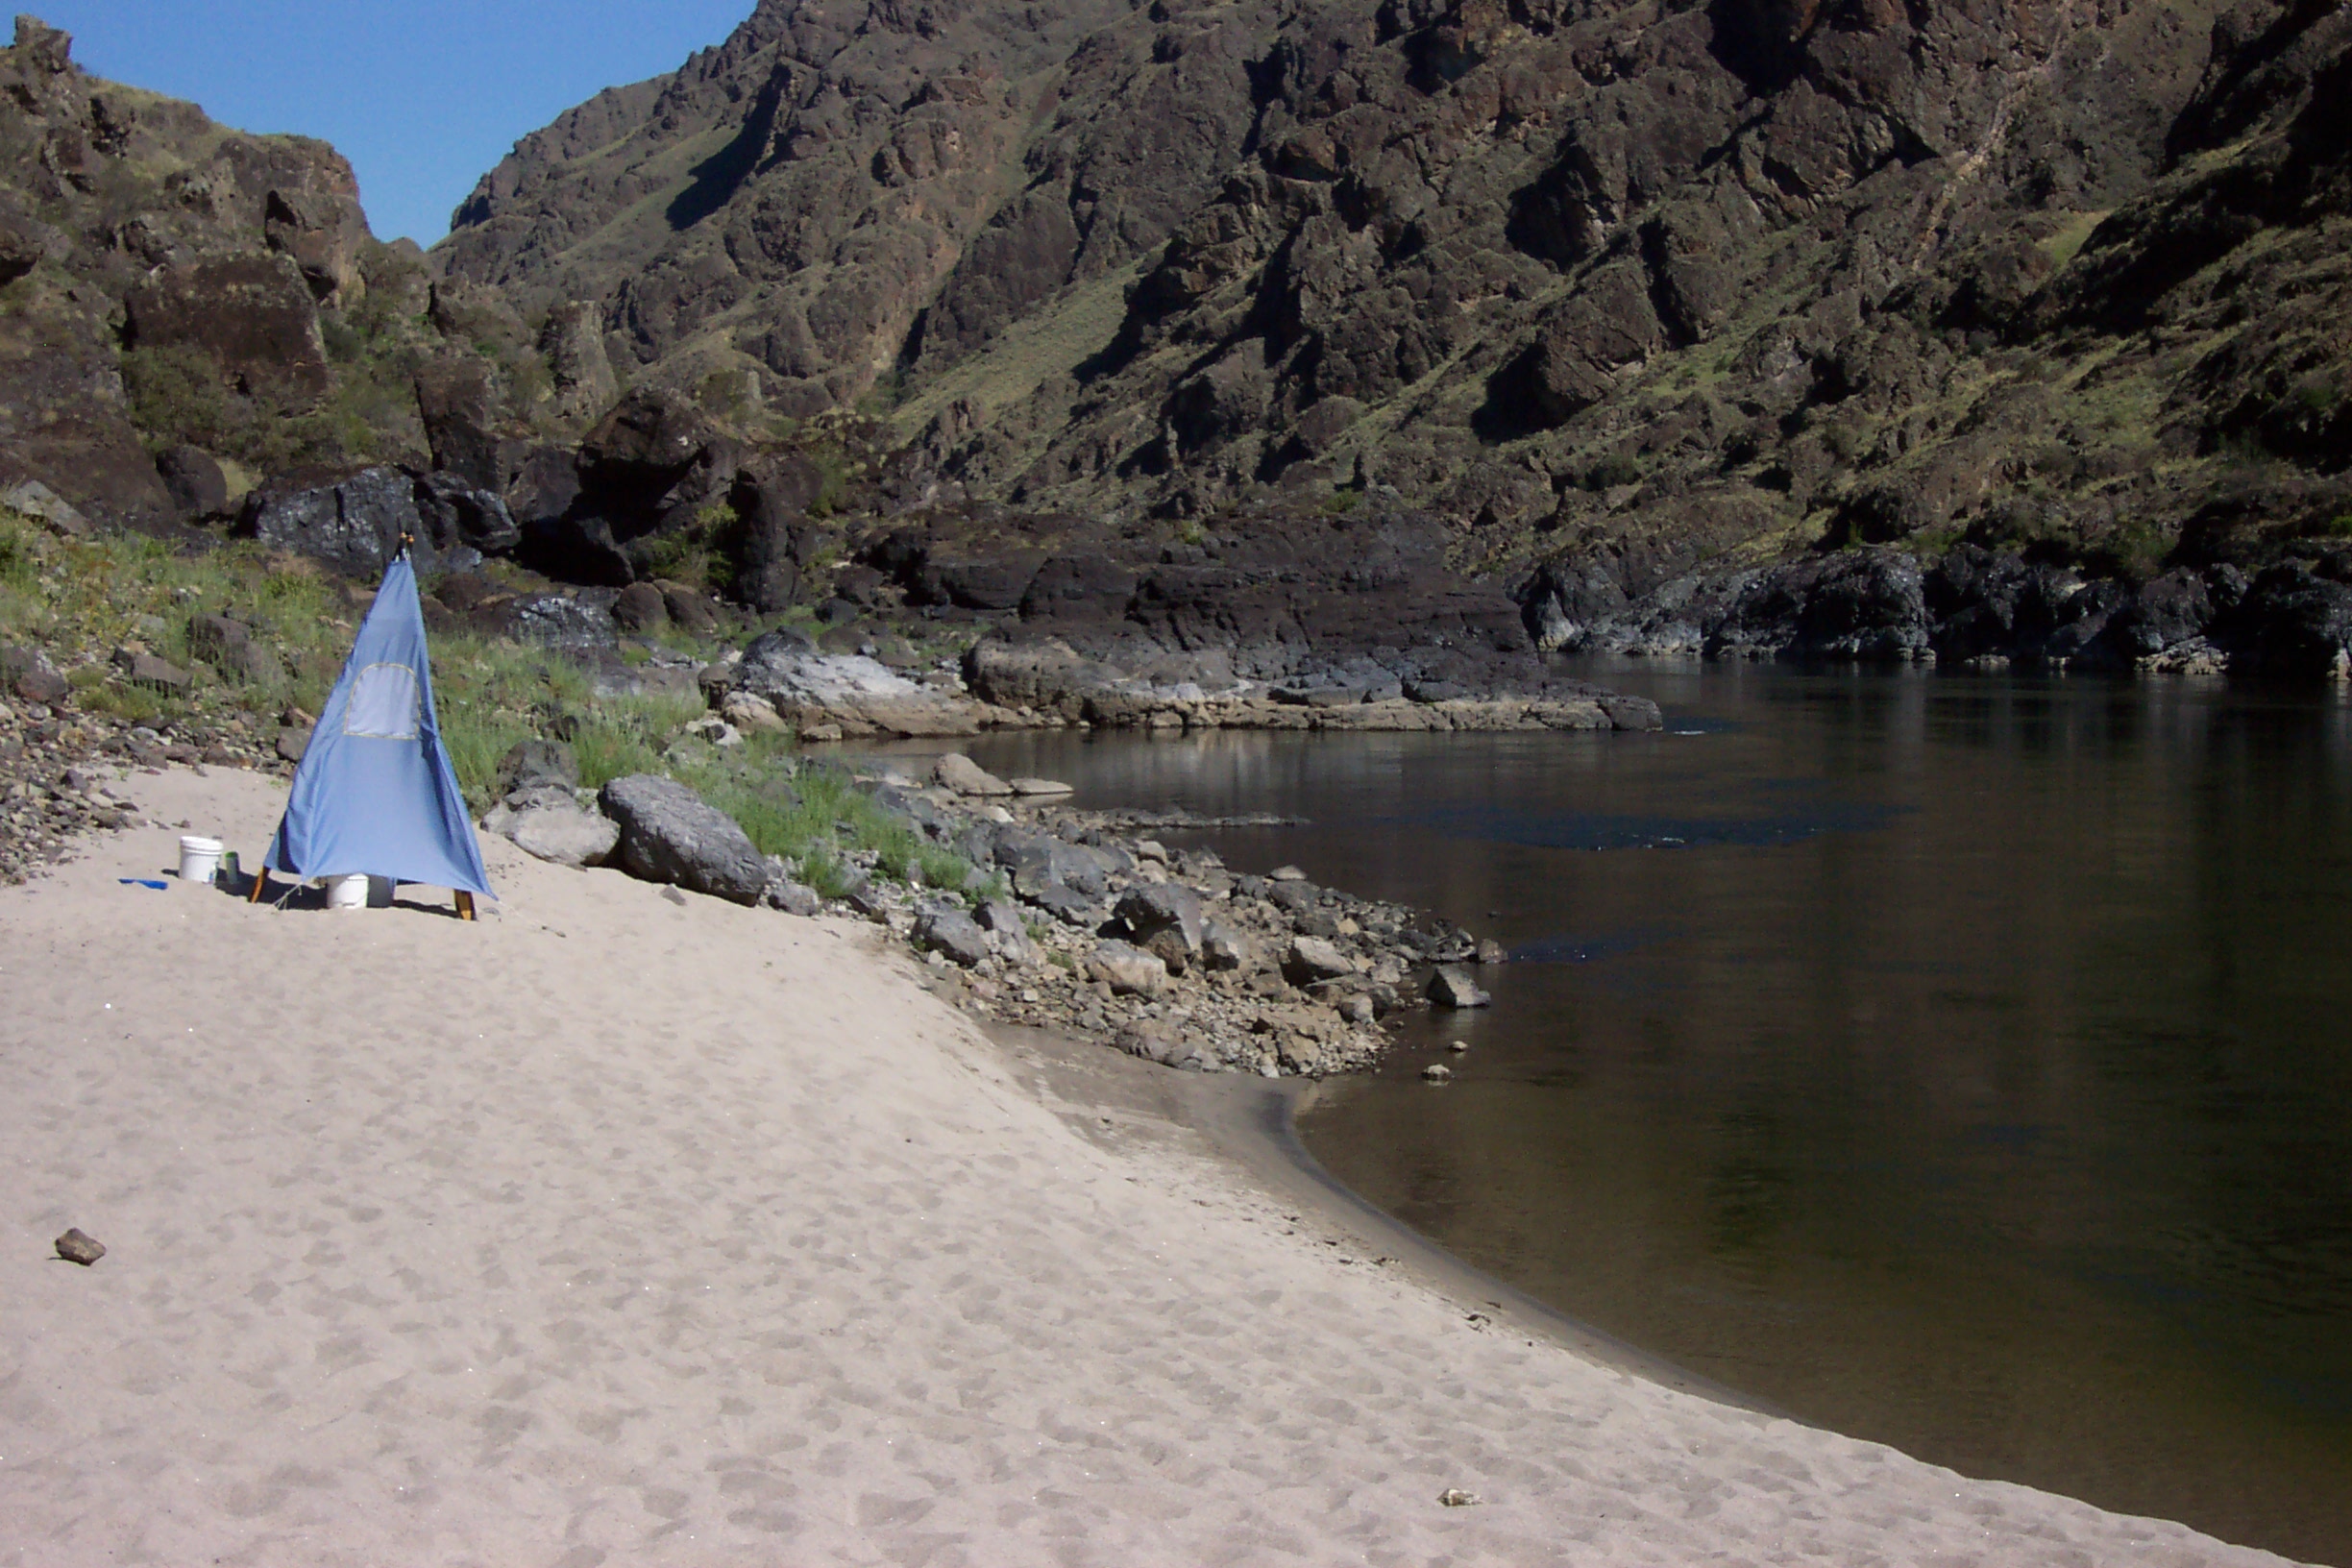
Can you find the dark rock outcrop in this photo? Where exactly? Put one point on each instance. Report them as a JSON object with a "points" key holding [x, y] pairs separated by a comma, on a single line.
{"points": [[252, 317], [229, 647], [358, 522]]}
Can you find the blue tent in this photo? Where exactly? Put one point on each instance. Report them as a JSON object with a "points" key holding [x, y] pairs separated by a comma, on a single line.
{"points": [[375, 792]]}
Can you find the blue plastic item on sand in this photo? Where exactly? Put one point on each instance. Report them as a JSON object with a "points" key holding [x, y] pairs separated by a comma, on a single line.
{"points": [[375, 792], [144, 882]]}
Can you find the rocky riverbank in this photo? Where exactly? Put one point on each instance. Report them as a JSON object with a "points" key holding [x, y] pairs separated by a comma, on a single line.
{"points": [[1970, 605], [65, 772], [784, 678], [1039, 914], [1164, 953]]}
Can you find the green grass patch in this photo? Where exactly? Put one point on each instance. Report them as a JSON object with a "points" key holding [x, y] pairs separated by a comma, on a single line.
{"points": [[477, 741], [19, 568], [2065, 243], [134, 705], [816, 818], [607, 750]]}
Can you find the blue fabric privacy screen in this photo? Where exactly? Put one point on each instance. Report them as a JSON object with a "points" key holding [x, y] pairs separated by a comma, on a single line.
{"points": [[376, 793]]}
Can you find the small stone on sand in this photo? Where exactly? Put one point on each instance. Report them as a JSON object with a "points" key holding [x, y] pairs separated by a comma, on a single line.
{"points": [[76, 1248]]}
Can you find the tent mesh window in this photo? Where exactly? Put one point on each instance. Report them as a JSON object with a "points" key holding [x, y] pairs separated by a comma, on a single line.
{"points": [[383, 703]]}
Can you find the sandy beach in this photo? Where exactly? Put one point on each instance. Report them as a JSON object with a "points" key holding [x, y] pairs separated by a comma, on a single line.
{"points": [[612, 1229]]}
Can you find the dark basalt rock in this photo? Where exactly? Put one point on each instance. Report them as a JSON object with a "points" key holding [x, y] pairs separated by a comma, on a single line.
{"points": [[458, 403], [2296, 622], [1861, 604], [77, 1248], [954, 935], [535, 764], [1163, 919], [357, 521], [28, 675], [633, 463], [776, 538], [253, 316], [228, 645], [670, 834], [581, 621], [198, 488]]}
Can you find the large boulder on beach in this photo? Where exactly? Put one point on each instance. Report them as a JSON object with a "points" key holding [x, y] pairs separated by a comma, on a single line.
{"points": [[1312, 961], [1155, 1039], [966, 777], [27, 673], [1040, 862], [1163, 919], [1454, 987], [1224, 948], [1001, 919], [808, 687], [1128, 970], [1071, 908], [954, 935], [562, 833], [670, 834]]}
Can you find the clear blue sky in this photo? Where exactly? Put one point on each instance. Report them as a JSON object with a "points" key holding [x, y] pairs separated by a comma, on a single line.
{"points": [[422, 96]]}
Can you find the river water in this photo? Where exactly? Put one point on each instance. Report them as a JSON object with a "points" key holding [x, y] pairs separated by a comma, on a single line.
{"points": [[1959, 1062]]}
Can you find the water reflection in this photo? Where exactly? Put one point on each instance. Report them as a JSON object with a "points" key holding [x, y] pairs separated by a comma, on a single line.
{"points": [[1971, 1075]]}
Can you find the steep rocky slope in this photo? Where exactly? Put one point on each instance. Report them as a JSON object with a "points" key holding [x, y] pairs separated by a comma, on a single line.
{"points": [[1638, 286], [186, 309], [837, 189], [1841, 327], [100, 185]]}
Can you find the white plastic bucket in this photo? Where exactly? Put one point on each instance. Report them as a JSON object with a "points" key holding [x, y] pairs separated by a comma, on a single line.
{"points": [[199, 859], [347, 892]]}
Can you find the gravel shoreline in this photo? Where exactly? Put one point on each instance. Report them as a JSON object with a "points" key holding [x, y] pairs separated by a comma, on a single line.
{"points": [[1165, 954]]}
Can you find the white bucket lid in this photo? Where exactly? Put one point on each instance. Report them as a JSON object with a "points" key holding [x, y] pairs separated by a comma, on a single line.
{"points": [[200, 846]]}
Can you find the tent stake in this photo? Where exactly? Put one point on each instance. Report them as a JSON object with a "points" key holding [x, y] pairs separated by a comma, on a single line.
{"points": [[260, 881], [465, 905]]}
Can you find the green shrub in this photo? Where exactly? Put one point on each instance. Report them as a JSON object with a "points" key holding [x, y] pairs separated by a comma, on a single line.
{"points": [[175, 393], [134, 705], [19, 569], [827, 876], [944, 868], [606, 751], [477, 741], [833, 470], [1610, 472], [701, 555], [344, 342]]}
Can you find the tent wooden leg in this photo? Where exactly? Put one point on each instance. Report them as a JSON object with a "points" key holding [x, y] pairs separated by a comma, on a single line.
{"points": [[260, 881], [465, 905]]}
